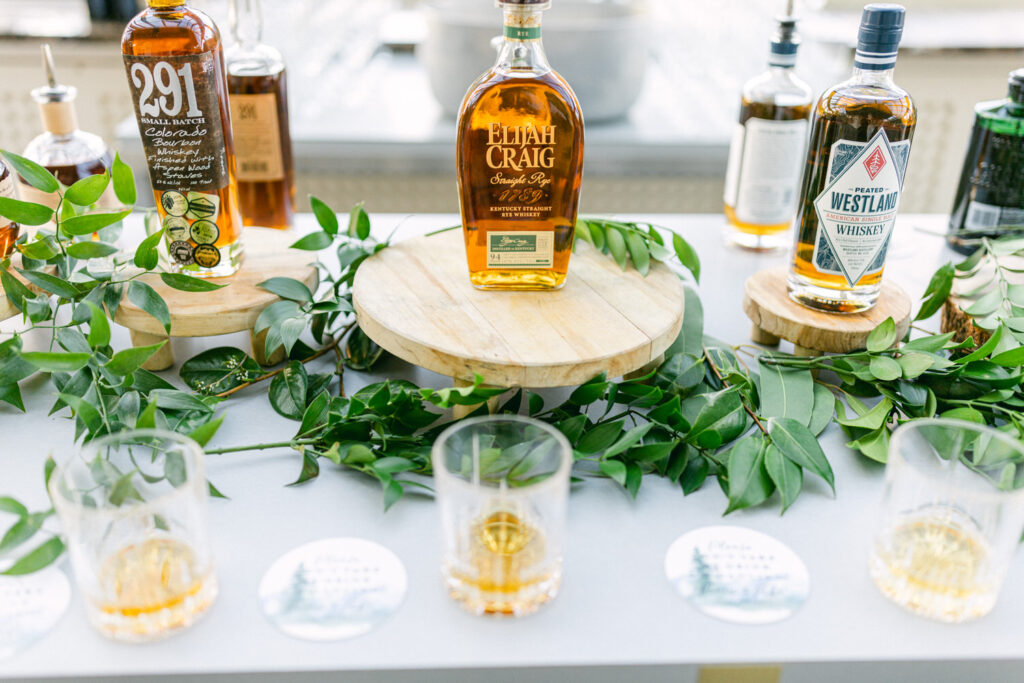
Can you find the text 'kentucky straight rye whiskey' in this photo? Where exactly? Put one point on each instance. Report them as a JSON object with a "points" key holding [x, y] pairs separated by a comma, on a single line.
{"points": [[520, 162], [856, 161], [767, 150], [176, 74]]}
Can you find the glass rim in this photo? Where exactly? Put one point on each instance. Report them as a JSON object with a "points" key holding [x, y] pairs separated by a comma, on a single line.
{"points": [[562, 472], [199, 471], [901, 432]]}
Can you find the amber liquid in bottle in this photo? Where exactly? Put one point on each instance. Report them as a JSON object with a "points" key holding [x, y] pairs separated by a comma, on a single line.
{"points": [[269, 203], [8, 230], [520, 165], [168, 32]]}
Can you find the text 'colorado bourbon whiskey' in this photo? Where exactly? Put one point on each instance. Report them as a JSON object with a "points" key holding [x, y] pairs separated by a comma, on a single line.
{"points": [[520, 162], [856, 161], [179, 89]]}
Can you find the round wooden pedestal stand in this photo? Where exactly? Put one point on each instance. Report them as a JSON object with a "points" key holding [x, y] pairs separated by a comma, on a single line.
{"points": [[234, 308], [415, 300], [775, 316], [7, 308]]}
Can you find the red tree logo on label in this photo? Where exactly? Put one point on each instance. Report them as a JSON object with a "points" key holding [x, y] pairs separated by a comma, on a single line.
{"points": [[875, 163]]}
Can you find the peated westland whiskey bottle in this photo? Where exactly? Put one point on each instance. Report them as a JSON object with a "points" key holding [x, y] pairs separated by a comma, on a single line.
{"points": [[179, 88], [259, 116], [520, 163], [990, 198], [856, 160], [767, 150], [8, 230]]}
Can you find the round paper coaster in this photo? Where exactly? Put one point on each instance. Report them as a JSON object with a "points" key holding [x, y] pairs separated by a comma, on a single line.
{"points": [[737, 574], [333, 589], [30, 606]]}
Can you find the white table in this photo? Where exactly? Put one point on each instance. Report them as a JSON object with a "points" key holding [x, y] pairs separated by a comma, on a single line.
{"points": [[616, 618]]}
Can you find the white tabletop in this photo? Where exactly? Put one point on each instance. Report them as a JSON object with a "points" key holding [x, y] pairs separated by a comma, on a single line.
{"points": [[616, 609]]}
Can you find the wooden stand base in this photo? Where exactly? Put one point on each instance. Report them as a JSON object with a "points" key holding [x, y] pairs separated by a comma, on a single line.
{"points": [[415, 300], [7, 308], [234, 308], [775, 316]]}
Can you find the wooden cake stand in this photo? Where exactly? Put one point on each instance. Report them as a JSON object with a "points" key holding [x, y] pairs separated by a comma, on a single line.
{"points": [[775, 316], [234, 308], [415, 300]]}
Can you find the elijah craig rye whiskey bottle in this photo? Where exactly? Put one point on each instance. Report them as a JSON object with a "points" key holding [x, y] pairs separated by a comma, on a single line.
{"points": [[856, 160], [767, 151], [178, 83], [520, 162]]}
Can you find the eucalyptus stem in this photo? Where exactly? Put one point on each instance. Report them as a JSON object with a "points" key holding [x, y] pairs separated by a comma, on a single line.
{"points": [[260, 446]]}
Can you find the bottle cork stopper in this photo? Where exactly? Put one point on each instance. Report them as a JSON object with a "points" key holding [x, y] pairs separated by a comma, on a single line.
{"points": [[58, 117], [56, 101]]}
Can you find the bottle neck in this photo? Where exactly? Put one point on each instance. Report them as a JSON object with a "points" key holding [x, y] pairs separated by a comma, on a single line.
{"points": [[863, 76], [521, 49], [246, 22]]}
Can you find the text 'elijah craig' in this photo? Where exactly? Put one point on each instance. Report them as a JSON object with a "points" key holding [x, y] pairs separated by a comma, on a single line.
{"points": [[520, 163]]}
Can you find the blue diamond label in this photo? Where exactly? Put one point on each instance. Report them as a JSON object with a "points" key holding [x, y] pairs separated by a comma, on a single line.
{"points": [[857, 210]]}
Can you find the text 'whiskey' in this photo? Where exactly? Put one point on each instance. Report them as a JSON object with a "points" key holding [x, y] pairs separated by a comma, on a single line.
{"points": [[258, 94], [520, 162], [856, 161], [768, 147], [179, 89]]}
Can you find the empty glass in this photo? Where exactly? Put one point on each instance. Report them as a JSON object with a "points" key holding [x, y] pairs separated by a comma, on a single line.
{"points": [[502, 490], [133, 507], [951, 518]]}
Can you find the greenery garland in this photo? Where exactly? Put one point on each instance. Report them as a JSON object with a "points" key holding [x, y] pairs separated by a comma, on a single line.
{"points": [[747, 418]]}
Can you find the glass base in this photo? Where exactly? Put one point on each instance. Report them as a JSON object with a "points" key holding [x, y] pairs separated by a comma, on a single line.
{"points": [[231, 257], [766, 241], [518, 279], [853, 300], [479, 600], [139, 626]]}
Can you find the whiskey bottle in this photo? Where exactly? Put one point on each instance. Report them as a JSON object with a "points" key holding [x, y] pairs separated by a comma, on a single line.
{"points": [[990, 198], [65, 151], [8, 230], [520, 162], [856, 161], [259, 117], [179, 89], [768, 147]]}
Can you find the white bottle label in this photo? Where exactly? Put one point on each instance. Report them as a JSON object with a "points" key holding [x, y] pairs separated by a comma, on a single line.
{"points": [[764, 170], [983, 217], [857, 209]]}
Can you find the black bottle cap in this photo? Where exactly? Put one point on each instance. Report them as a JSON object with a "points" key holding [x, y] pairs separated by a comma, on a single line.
{"points": [[1017, 86], [881, 27]]}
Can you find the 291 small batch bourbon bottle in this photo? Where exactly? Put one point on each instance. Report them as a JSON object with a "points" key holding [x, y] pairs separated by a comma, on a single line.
{"points": [[856, 160], [520, 162], [259, 116], [179, 88], [768, 146]]}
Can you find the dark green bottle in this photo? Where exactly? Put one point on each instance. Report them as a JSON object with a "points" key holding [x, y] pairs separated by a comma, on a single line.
{"points": [[990, 197]]}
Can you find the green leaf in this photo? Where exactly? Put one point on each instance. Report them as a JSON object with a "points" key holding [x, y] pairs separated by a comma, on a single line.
{"points": [[287, 288], [871, 419], [316, 413], [638, 252], [358, 222], [187, 283], [19, 532], [51, 284], [204, 432], [32, 173], [1011, 358], [124, 181], [314, 241], [91, 222], [99, 328], [749, 483], [590, 391], [882, 337], [172, 399], [937, 292], [90, 249], [125, 362], [985, 349], [824, 409], [873, 445], [885, 368], [25, 213], [687, 255], [617, 246], [785, 474], [288, 391], [797, 443], [325, 216], [146, 298], [652, 452], [393, 492], [628, 440], [52, 361], [614, 469], [41, 557], [88, 190], [964, 413], [310, 468], [15, 289], [720, 418], [694, 474], [11, 506], [147, 256], [915, 364], [601, 437], [787, 392], [214, 491], [219, 369]]}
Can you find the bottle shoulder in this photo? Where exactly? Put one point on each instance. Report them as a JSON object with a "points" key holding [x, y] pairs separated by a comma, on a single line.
{"points": [[509, 89], [154, 31], [77, 147], [781, 87], [882, 101], [254, 60]]}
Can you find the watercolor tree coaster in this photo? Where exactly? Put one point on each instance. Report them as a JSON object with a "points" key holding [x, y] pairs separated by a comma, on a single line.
{"points": [[30, 606]]}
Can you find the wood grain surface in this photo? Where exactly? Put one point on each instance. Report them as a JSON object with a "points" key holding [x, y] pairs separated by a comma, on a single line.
{"points": [[954, 316], [766, 302], [8, 309], [415, 300]]}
